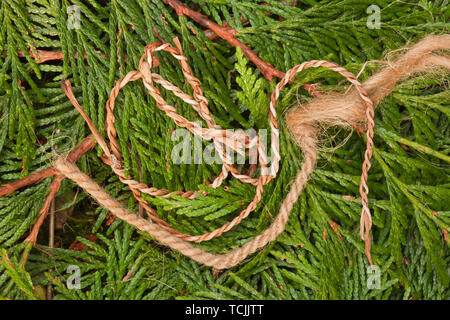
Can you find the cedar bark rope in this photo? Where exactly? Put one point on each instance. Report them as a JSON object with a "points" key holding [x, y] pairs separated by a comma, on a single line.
{"points": [[344, 109], [222, 138]]}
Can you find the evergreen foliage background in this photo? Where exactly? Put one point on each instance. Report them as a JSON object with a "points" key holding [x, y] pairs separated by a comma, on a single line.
{"points": [[313, 259]]}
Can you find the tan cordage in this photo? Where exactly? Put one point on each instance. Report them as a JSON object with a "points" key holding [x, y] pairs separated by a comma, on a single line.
{"points": [[340, 109]]}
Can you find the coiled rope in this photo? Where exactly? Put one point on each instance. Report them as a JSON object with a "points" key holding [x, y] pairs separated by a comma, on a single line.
{"points": [[355, 106]]}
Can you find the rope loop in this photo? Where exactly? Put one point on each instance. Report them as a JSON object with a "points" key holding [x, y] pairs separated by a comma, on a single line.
{"points": [[224, 140], [351, 107]]}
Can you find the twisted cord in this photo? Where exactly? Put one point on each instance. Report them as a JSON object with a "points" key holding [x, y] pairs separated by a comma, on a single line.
{"points": [[356, 105]]}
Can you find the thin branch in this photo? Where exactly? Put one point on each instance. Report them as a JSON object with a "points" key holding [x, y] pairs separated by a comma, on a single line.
{"points": [[31, 179], [87, 144], [54, 188], [228, 34]]}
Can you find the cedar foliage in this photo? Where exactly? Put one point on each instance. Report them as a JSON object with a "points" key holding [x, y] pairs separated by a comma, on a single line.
{"points": [[314, 258]]}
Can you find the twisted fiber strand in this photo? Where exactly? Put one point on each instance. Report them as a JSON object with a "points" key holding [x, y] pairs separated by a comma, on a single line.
{"points": [[195, 84], [302, 130], [355, 106]]}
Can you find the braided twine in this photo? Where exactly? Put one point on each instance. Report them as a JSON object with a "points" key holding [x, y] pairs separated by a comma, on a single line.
{"points": [[222, 139]]}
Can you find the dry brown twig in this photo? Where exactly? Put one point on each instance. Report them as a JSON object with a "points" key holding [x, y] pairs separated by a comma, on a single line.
{"points": [[87, 144], [355, 106], [228, 34], [213, 31]]}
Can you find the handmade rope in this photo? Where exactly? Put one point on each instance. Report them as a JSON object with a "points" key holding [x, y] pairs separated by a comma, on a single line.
{"points": [[304, 129], [222, 138]]}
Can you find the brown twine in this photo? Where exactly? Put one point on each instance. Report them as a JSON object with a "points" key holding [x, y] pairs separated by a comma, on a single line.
{"points": [[342, 109], [353, 107], [222, 139]]}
